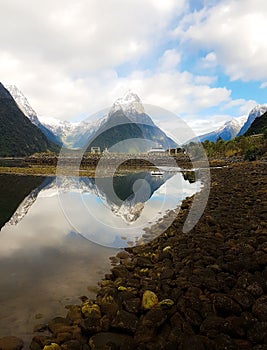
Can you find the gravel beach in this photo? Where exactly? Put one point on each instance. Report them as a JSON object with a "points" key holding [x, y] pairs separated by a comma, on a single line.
{"points": [[203, 290]]}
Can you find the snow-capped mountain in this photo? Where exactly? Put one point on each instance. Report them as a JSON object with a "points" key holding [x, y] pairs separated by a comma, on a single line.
{"points": [[128, 128], [131, 106], [226, 132], [128, 204], [29, 112], [256, 112], [127, 115], [23, 104]]}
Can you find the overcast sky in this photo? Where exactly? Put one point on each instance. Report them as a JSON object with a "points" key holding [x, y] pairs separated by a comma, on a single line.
{"points": [[205, 60]]}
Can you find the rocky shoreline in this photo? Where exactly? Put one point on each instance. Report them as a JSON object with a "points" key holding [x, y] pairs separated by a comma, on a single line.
{"points": [[203, 290]]}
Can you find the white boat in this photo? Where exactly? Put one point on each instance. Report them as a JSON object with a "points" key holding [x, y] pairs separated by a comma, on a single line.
{"points": [[156, 173]]}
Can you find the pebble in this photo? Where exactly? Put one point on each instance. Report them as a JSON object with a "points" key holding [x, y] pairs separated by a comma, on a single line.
{"points": [[202, 290]]}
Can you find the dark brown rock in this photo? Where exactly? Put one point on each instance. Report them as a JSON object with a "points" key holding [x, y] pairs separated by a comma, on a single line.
{"points": [[259, 308], [244, 298], [11, 343], [125, 321], [257, 332], [107, 340], [224, 305], [59, 325]]}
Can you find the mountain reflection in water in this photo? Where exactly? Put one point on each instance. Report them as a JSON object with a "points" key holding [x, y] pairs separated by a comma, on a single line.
{"points": [[45, 263]]}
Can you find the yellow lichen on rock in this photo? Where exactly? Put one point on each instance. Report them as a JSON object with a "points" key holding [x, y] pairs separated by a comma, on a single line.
{"points": [[89, 309], [52, 346], [149, 299]]}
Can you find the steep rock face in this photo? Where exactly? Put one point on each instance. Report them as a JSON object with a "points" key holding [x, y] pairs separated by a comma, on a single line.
{"points": [[254, 113], [127, 122], [18, 135], [29, 112], [258, 126]]}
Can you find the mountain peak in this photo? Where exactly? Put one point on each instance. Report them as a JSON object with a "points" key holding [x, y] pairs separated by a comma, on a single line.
{"points": [[129, 104], [23, 103], [256, 112]]}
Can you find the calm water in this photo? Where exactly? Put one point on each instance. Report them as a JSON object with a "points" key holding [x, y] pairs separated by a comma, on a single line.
{"points": [[56, 243]]}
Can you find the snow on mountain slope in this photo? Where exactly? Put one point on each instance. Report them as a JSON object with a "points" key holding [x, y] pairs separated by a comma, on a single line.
{"points": [[23, 104], [29, 112], [227, 132], [256, 112], [78, 135]]}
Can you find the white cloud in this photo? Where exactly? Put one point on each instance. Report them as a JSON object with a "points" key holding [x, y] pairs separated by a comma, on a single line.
{"points": [[64, 54], [235, 32], [210, 60], [170, 60], [208, 123], [67, 56], [244, 106], [263, 85]]}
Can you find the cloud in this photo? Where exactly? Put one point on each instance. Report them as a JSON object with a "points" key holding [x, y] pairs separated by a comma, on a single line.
{"points": [[72, 59], [234, 32], [170, 60], [64, 55], [263, 85]]}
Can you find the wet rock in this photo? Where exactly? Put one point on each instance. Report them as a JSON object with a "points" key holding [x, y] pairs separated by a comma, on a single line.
{"points": [[243, 298], [108, 305], [255, 289], [224, 342], [91, 310], [149, 324], [243, 344], [143, 262], [123, 255], [40, 327], [213, 325], [59, 325], [120, 271], [72, 345], [224, 305], [257, 332], [149, 300], [259, 309], [11, 343], [166, 303], [132, 305], [74, 313], [107, 340], [38, 342], [125, 321], [191, 343], [52, 346]]}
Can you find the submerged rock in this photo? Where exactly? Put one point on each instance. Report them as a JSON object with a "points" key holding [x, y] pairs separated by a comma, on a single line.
{"points": [[11, 343]]}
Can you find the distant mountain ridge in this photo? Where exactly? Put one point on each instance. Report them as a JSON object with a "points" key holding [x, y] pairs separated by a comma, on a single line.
{"points": [[125, 120], [18, 135], [226, 132], [234, 127]]}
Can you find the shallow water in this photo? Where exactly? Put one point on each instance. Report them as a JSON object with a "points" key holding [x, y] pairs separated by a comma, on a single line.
{"points": [[49, 254]]}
